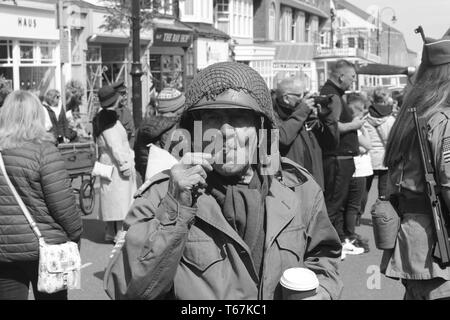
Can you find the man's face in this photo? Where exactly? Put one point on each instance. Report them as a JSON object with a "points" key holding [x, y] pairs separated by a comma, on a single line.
{"points": [[293, 94], [55, 100], [347, 77], [236, 130]]}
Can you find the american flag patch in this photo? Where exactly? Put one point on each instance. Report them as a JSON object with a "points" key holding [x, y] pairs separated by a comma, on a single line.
{"points": [[446, 150]]}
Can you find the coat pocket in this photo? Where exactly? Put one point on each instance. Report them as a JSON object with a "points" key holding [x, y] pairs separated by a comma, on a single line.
{"points": [[292, 242], [203, 253]]}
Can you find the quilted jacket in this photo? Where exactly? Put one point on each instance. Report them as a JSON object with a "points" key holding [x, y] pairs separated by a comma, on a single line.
{"points": [[38, 173]]}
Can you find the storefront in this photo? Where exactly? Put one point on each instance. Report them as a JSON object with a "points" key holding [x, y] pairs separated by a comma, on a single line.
{"points": [[29, 47], [171, 56]]}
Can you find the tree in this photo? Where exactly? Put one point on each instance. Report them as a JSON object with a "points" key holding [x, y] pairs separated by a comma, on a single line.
{"points": [[119, 16]]}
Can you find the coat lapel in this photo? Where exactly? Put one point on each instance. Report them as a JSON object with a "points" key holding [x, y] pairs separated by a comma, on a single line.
{"points": [[280, 207]]}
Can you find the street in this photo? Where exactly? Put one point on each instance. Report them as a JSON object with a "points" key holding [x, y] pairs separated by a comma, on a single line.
{"points": [[360, 275]]}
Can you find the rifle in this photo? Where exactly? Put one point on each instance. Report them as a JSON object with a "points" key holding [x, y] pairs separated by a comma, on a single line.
{"points": [[441, 250]]}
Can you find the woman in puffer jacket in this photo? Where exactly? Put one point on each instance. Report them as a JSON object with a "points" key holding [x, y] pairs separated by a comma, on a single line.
{"points": [[379, 123], [37, 171]]}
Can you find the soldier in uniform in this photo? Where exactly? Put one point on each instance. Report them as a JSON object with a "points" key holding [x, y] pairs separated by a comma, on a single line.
{"points": [[411, 259]]}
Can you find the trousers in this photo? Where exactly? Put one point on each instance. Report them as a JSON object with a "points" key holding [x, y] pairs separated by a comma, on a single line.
{"points": [[15, 279]]}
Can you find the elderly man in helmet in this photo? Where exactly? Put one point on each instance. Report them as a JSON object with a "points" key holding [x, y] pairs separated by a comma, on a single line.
{"points": [[220, 224]]}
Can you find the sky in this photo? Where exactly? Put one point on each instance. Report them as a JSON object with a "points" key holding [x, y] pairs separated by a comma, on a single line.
{"points": [[432, 15]]}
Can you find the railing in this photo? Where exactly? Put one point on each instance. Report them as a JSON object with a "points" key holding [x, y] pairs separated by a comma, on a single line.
{"points": [[347, 52]]}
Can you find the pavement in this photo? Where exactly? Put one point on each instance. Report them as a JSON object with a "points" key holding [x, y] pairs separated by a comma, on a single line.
{"points": [[360, 274]]}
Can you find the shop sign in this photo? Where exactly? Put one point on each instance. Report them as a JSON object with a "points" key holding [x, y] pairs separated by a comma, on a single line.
{"points": [[26, 22], [172, 38], [290, 66]]}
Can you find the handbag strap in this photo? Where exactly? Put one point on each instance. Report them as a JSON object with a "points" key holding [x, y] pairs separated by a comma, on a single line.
{"points": [[19, 200], [381, 138]]}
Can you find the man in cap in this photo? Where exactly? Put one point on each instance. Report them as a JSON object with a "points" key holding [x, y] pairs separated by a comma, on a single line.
{"points": [[220, 225], [125, 116], [158, 129]]}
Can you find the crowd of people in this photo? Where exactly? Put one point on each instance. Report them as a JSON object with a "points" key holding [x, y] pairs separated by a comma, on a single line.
{"points": [[240, 205]]}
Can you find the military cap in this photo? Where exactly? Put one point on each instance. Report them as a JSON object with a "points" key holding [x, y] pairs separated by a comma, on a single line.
{"points": [[437, 52]]}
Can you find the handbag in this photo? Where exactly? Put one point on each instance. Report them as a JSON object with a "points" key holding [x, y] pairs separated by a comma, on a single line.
{"points": [[102, 170], [59, 264]]}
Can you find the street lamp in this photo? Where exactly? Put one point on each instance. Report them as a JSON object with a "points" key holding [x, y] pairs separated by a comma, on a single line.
{"points": [[394, 20]]}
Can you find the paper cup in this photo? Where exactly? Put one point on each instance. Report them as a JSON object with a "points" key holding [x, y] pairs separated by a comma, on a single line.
{"points": [[298, 283]]}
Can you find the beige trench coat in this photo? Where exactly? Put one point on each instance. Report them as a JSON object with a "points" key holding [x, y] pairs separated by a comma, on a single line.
{"points": [[116, 195]]}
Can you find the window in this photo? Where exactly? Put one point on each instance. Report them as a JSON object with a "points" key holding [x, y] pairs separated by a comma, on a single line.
{"points": [[361, 43], [294, 26], [164, 7], [5, 51], [307, 27], [351, 42], [47, 52], [26, 52], [272, 17], [222, 8], [242, 18]]}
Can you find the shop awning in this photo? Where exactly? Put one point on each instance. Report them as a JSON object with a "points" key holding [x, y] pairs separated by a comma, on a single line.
{"points": [[294, 52], [207, 31], [305, 7]]}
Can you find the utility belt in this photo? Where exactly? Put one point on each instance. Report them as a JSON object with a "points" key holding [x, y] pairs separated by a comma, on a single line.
{"points": [[419, 205]]}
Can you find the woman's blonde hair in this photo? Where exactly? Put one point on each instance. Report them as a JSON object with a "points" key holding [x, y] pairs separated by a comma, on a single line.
{"points": [[22, 119]]}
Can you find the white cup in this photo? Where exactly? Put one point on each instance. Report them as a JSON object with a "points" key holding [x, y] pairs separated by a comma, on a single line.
{"points": [[298, 283]]}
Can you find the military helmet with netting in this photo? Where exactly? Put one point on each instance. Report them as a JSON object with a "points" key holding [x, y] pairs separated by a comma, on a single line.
{"points": [[209, 86]]}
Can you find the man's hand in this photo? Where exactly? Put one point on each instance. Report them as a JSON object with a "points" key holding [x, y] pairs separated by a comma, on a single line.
{"points": [[308, 100], [357, 123], [321, 294], [188, 176]]}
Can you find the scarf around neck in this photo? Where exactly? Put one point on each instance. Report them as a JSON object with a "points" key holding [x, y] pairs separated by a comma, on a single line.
{"points": [[243, 206]]}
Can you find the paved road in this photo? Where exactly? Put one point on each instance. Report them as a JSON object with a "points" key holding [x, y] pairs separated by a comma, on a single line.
{"points": [[359, 273]]}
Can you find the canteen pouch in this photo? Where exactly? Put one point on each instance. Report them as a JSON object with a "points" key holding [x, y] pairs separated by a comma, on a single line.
{"points": [[386, 223]]}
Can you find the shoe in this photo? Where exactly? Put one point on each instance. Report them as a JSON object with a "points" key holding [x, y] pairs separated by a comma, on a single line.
{"points": [[348, 247], [361, 242]]}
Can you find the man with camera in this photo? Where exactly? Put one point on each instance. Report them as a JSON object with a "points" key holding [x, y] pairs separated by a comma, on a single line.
{"points": [[338, 162], [303, 121]]}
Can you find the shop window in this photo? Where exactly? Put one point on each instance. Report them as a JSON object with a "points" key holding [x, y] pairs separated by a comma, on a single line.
{"points": [[47, 52], [37, 78], [5, 51], [167, 70], [26, 52], [7, 73]]}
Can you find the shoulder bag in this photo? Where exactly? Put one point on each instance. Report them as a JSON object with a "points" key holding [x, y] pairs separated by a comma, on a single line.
{"points": [[59, 264]]}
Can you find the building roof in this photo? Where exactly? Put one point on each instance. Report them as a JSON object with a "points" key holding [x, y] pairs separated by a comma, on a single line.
{"points": [[206, 30], [343, 4], [305, 7]]}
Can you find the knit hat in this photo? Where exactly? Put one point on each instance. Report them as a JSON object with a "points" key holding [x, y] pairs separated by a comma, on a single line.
{"points": [[437, 52], [170, 100], [230, 85], [107, 96]]}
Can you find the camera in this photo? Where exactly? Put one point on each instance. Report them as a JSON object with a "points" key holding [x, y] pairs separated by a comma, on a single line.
{"points": [[323, 100]]}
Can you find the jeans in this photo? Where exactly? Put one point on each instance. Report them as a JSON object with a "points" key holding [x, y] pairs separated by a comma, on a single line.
{"points": [[337, 174], [15, 278], [352, 206]]}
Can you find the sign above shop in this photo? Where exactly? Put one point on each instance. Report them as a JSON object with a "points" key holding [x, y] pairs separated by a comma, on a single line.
{"points": [[291, 66], [26, 22], [172, 38]]}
